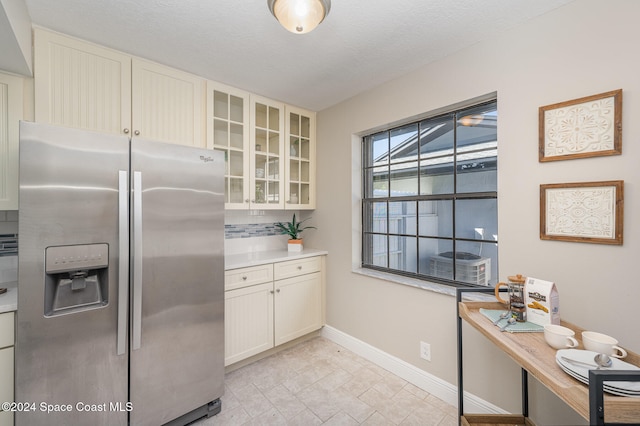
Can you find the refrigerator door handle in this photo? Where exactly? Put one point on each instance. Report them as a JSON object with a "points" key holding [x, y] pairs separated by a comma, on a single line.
{"points": [[123, 267], [137, 260]]}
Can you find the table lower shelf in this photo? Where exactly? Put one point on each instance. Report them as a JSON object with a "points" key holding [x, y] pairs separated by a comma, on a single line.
{"points": [[495, 420]]}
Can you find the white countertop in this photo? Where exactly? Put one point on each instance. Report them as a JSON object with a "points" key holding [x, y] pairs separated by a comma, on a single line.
{"points": [[9, 300], [256, 258]]}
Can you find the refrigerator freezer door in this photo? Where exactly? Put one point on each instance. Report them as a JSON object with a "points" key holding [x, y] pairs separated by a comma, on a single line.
{"points": [[69, 202], [178, 307]]}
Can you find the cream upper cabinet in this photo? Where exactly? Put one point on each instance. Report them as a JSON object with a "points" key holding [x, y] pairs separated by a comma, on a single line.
{"points": [[167, 104], [228, 131], [79, 84], [267, 154], [300, 162], [10, 116]]}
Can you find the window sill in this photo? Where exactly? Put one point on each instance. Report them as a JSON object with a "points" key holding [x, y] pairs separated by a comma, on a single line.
{"points": [[421, 284]]}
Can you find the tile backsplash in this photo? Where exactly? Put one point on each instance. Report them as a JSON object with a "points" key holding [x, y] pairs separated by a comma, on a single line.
{"points": [[252, 237], [250, 230]]}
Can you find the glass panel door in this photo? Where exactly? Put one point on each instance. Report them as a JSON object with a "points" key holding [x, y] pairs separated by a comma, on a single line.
{"points": [[228, 111], [299, 151], [267, 156]]}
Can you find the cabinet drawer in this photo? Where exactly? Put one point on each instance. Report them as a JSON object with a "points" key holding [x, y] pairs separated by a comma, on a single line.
{"points": [[294, 268], [238, 278], [6, 330]]}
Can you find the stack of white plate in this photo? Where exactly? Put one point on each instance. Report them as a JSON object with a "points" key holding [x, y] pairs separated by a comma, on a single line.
{"points": [[579, 371]]}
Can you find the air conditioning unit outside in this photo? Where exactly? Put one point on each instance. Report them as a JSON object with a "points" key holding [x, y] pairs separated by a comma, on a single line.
{"points": [[470, 268]]}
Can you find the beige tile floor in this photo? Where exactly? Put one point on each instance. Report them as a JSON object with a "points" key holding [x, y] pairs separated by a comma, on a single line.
{"points": [[320, 382]]}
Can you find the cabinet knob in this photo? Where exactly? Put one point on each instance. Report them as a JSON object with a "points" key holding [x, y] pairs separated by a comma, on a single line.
{"points": [[126, 131], [244, 278], [278, 291], [299, 268], [271, 291], [136, 132], [246, 201]]}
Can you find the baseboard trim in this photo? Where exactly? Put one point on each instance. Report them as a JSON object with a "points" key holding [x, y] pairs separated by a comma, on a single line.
{"points": [[412, 374]]}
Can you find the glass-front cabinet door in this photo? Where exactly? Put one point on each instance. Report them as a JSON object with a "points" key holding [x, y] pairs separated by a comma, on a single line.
{"points": [[228, 131], [269, 150], [300, 159], [267, 146]]}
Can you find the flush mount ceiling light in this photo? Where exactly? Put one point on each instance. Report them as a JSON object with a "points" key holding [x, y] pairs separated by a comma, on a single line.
{"points": [[299, 16]]}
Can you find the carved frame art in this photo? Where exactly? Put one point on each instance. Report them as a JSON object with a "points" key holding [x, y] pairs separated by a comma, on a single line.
{"points": [[589, 212], [585, 127]]}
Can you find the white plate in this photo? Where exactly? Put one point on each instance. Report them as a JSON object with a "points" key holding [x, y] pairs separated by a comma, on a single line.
{"points": [[582, 373], [607, 388]]}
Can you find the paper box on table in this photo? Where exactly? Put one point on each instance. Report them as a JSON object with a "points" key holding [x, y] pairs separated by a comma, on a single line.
{"points": [[543, 301]]}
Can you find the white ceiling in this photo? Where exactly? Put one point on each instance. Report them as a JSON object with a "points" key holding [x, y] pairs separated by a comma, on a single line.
{"points": [[360, 45]]}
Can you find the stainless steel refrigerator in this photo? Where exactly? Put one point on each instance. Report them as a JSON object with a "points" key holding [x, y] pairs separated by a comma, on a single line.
{"points": [[121, 293]]}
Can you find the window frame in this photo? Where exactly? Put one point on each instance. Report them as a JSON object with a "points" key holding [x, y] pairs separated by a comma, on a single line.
{"points": [[368, 199]]}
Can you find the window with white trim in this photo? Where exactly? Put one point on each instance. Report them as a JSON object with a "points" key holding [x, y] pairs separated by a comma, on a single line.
{"points": [[429, 207]]}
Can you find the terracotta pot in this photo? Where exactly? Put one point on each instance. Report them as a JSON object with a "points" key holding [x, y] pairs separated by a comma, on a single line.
{"points": [[295, 245]]}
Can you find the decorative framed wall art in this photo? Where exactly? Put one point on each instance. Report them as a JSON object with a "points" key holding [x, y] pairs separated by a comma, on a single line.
{"points": [[585, 127], [589, 212]]}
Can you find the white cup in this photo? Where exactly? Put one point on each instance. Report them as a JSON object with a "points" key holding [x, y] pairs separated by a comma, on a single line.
{"points": [[603, 344], [559, 337]]}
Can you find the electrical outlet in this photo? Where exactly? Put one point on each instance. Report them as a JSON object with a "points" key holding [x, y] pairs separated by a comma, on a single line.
{"points": [[425, 351]]}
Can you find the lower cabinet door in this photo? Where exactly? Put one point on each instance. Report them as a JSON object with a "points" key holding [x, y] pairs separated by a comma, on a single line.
{"points": [[248, 322], [6, 418], [298, 306], [6, 383]]}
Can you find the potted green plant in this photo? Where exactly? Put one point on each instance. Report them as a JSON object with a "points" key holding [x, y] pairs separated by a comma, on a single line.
{"points": [[293, 229]]}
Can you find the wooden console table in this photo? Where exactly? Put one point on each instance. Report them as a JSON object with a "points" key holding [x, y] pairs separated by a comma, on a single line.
{"points": [[535, 357]]}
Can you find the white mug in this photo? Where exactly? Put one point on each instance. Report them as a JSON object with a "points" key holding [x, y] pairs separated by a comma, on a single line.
{"points": [[559, 337], [601, 343]]}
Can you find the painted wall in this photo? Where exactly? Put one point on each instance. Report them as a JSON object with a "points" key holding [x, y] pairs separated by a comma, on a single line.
{"points": [[584, 48]]}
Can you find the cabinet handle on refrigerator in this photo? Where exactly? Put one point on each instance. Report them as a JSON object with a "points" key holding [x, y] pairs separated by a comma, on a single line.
{"points": [[123, 256], [137, 261]]}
